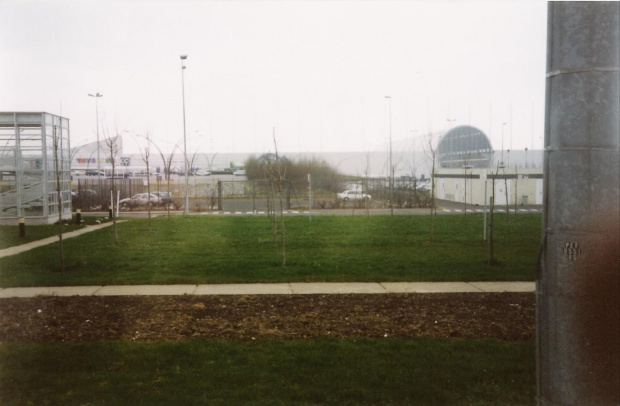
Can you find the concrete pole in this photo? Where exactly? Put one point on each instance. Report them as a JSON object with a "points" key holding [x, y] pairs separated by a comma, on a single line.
{"points": [[578, 281]]}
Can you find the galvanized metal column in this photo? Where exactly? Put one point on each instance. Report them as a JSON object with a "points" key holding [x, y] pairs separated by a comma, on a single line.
{"points": [[19, 170], [578, 285]]}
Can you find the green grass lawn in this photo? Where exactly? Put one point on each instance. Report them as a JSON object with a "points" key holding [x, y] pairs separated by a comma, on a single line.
{"points": [[268, 372], [208, 249], [9, 235]]}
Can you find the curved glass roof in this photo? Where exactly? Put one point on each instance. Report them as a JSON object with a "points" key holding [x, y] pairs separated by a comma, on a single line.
{"points": [[464, 146]]}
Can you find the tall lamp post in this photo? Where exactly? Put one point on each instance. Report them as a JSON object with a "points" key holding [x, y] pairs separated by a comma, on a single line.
{"points": [[526, 164], [465, 168], [451, 121], [391, 173], [97, 96], [503, 125], [186, 207]]}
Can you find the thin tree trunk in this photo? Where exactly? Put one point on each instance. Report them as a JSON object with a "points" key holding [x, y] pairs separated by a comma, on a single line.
{"points": [[148, 190], [280, 180], [282, 225], [491, 253], [433, 211], [507, 202], [59, 197]]}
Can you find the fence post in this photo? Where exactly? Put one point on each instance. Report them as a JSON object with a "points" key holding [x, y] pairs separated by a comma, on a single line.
{"points": [[22, 227], [219, 195], [254, 196]]}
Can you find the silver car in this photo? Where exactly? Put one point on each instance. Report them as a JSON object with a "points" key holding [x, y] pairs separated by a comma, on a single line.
{"points": [[141, 199], [353, 195]]}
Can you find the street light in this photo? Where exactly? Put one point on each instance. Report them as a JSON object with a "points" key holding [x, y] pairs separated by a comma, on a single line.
{"points": [[413, 138], [503, 124], [391, 174], [451, 120], [185, 210], [97, 96], [465, 168], [526, 164]]}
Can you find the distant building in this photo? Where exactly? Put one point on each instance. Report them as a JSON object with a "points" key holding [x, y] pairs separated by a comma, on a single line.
{"points": [[464, 146], [28, 187], [467, 163]]}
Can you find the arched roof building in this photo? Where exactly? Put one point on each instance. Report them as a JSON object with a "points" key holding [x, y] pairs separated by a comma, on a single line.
{"points": [[464, 146]]}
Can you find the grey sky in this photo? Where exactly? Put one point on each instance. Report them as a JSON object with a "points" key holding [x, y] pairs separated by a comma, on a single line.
{"points": [[317, 71]]}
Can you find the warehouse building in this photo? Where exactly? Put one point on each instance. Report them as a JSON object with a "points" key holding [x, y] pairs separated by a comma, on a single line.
{"points": [[471, 171]]}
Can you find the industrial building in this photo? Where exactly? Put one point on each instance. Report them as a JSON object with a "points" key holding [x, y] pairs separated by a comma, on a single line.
{"points": [[470, 171], [34, 148]]}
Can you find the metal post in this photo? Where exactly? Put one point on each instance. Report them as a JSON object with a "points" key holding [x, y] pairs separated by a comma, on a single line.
{"points": [[391, 168], [310, 197], [19, 166], [22, 227], [578, 281], [219, 195], [98, 146], [483, 177], [254, 196], [186, 208], [97, 96], [465, 190]]}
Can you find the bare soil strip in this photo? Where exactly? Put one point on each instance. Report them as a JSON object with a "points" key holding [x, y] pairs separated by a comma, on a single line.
{"points": [[504, 316]]}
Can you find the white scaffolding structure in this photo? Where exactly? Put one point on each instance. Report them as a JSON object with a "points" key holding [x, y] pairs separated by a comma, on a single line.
{"points": [[28, 184]]}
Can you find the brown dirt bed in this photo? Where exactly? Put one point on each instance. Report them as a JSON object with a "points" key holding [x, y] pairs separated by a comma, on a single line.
{"points": [[504, 316]]}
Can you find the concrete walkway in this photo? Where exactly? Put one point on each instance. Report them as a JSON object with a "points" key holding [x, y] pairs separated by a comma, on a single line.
{"points": [[272, 289], [18, 249]]}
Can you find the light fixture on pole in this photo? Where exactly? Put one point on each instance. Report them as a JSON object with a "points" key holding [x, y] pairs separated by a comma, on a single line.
{"points": [[186, 207], [391, 169], [97, 96], [451, 120], [526, 164]]}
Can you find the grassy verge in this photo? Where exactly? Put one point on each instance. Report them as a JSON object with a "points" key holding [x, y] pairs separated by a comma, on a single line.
{"points": [[241, 250], [9, 235], [299, 372]]}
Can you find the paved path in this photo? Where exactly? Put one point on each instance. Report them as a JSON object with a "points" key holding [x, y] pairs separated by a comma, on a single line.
{"points": [[271, 289], [49, 240]]}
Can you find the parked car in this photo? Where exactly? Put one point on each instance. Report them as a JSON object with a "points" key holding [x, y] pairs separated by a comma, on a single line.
{"points": [[202, 172], [84, 199], [78, 172], [95, 172], [164, 197], [222, 171], [239, 172], [353, 195], [141, 199]]}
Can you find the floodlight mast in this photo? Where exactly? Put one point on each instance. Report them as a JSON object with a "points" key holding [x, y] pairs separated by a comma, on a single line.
{"points": [[577, 282], [391, 169], [186, 206], [97, 96]]}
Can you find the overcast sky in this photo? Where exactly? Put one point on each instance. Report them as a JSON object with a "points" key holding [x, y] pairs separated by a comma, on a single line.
{"points": [[317, 71]]}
